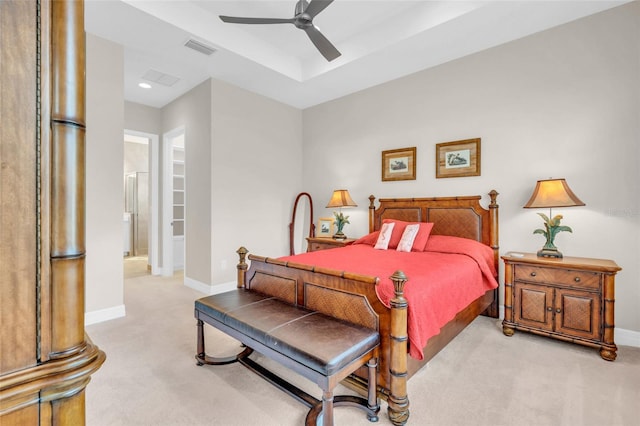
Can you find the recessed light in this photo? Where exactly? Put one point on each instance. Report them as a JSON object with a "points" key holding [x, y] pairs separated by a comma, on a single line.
{"points": [[144, 85]]}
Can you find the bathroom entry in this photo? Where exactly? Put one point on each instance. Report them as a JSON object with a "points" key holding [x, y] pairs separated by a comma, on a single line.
{"points": [[136, 205]]}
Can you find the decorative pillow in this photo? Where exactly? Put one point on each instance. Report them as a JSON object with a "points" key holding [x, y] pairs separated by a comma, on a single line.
{"points": [[385, 236], [408, 236], [421, 239], [369, 239]]}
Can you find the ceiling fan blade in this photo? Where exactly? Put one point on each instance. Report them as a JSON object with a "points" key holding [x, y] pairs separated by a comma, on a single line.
{"points": [[241, 20], [316, 6], [325, 47]]}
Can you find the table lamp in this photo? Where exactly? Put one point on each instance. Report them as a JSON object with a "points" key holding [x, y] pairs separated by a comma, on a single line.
{"points": [[340, 199], [547, 194]]}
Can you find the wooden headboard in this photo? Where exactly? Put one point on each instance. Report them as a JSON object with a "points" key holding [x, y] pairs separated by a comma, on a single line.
{"points": [[456, 216]]}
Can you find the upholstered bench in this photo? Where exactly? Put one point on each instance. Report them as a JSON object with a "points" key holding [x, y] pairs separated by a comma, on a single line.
{"points": [[316, 346]]}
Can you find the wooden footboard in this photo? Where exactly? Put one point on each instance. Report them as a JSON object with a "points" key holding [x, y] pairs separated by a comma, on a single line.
{"points": [[347, 296]]}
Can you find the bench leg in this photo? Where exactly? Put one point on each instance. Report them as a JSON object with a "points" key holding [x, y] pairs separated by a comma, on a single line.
{"points": [[372, 403], [327, 408], [202, 358]]}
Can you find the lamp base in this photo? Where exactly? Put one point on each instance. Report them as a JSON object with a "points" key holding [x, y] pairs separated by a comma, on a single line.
{"points": [[339, 236], [545, 252]]}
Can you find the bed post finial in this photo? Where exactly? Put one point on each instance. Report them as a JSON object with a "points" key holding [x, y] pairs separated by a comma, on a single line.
{"points": [[398, 402], [372, 209], [242, 266], [493, 194]]}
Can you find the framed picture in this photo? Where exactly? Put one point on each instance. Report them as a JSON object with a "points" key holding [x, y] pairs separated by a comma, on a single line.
{"points": [[399, 164], [458, 158], [325, 227]]}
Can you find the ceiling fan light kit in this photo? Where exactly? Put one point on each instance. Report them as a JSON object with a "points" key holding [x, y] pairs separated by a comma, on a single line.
{"points": [[303, 19]]}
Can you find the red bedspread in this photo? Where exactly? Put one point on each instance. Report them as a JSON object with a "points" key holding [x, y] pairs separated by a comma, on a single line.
{"points": [[444, 279]]}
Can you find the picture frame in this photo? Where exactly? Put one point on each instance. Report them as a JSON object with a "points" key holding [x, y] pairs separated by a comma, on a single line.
{"points": [[399, 164], [458, 158], [325, 227]]}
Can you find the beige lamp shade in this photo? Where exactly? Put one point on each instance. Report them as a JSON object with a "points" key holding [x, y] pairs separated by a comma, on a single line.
{"points": [[552, 193], [341, 198]]}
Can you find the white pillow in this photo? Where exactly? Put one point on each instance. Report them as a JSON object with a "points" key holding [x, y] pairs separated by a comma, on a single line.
{"points": [[408, 236], [385, 236]]}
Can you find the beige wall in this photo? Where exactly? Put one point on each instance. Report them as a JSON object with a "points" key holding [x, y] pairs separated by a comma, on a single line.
{"points": [[256, 169], [104, 179], [142, 118], [562, 103]]}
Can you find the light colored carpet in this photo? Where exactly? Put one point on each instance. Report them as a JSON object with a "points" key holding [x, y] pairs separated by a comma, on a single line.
{"points": [[482, 378], [136, 266]]}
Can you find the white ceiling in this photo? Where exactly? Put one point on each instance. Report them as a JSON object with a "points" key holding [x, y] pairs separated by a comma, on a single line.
{"points": [[380, 40]]}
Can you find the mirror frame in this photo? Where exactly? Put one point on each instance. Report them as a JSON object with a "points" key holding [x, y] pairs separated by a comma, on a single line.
{"points": [[312, 227]]}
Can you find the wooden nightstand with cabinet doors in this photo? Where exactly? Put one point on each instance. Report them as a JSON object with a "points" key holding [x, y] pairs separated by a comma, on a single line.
{"points": [[570, 298], [324, 243]]}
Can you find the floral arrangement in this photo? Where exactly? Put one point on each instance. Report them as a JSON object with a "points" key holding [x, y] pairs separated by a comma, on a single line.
{"points": [[340, 221], [552, 227]]}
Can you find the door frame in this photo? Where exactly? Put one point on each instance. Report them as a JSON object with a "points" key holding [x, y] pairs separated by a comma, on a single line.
{"points": [[167, 198], [154, 197]]}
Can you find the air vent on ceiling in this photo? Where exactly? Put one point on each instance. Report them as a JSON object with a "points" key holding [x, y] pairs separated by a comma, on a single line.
{"points": [[199, 46], [160, 78]]}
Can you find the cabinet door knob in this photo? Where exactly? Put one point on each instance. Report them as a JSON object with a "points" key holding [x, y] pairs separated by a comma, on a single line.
{"points": [[549, 308], [558, 310], [533, 274], [577, 279]]}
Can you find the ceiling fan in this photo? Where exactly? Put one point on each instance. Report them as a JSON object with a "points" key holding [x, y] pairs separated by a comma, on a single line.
{"points": [[303, 19]]}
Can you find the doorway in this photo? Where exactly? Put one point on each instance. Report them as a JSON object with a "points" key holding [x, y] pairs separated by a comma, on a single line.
{"points": [[140, 218]]}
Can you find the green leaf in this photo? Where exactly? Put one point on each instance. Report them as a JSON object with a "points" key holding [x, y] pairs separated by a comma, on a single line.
{"points": [[564, 228], [544, 217]]}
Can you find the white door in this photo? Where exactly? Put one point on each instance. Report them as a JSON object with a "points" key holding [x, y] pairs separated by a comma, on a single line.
{"points": [[174, 201]]}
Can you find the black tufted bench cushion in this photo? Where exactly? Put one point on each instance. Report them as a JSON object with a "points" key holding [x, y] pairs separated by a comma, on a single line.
{"points": [[320, 348]]}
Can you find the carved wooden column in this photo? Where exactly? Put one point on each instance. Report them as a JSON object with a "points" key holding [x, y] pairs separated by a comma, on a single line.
{"points": [[493, 310], [67, 177], [398, 401], [45, 358]]}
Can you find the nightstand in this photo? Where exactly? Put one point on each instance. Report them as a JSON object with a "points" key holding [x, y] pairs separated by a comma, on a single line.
{"points": [[570, 299], [323, 243]]}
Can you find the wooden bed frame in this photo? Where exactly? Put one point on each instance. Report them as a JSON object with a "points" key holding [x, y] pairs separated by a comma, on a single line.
{"points": [[352, 297]]}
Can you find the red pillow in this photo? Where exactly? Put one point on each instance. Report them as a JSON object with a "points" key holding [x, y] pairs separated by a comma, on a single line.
{"points": [[421, 239], [369, 239]]}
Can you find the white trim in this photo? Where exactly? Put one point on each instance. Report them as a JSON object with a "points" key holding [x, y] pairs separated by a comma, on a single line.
{"points": [[154, 207], [167, 187], [627, 337], [209, 289], [224, 287], [102, 315], [167, 197], [154, 196]]}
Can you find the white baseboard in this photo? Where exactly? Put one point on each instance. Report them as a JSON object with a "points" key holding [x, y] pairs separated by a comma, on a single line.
{"points": [[101, 315], [627, 337], [209, 289], [221, 288]]}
